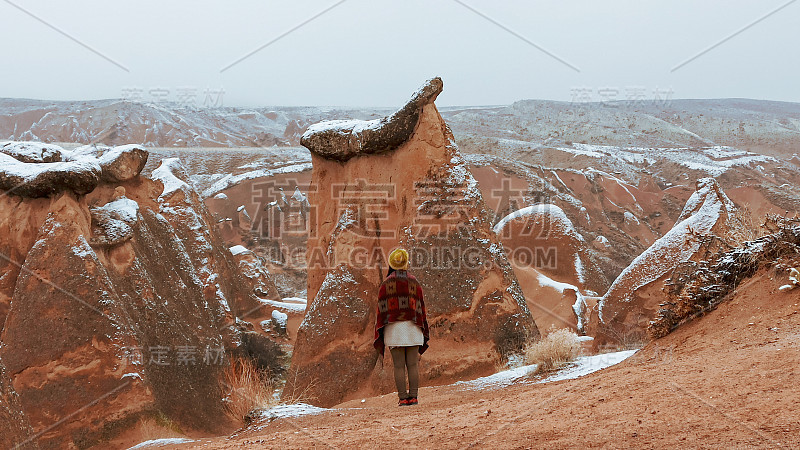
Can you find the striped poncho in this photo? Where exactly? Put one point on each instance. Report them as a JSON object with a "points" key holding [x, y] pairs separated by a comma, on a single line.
{"points": [[400, 298]]}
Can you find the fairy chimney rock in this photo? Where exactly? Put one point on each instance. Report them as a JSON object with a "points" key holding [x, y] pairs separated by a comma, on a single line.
{"points": [[400, 181]]}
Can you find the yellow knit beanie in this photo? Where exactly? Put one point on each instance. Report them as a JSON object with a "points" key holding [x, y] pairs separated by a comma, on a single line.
{"points": [[398, 259]]}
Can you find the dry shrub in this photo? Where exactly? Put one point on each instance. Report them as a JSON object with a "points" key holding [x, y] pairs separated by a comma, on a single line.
{"points": [[712, 281], [746, 226], [553, 351], [158, 427], [293, 393], [247, 389], [511, 340], [629, 338]]}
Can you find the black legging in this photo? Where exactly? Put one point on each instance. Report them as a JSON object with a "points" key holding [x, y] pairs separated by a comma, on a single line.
{"points": [[406, 357]]}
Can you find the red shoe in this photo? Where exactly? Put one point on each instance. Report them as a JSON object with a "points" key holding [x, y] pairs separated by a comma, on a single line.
{"points": [[404, 402], [412, 401]]}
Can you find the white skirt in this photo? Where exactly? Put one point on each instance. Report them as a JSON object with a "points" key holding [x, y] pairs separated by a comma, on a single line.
{"points": [[403, 334]]}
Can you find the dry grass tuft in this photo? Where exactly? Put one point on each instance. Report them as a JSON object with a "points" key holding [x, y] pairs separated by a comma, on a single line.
{"points": [[158, 427], [247, 389], [554, 351]]}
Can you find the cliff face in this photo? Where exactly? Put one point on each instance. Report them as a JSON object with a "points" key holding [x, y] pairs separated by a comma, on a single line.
{"points": [[400, 181], [17, 431], [118, 303]]}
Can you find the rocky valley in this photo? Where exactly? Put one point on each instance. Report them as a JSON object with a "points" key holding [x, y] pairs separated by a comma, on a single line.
{"points": [[146, 249]]}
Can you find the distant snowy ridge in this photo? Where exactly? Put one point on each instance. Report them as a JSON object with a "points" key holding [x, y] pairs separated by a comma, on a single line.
{"points": [[229, 180], [713, 161]]}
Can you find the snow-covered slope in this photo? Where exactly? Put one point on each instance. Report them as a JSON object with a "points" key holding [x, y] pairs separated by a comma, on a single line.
{"points": [[706, 209]]}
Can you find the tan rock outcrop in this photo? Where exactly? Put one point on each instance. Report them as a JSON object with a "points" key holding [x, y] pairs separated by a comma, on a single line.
{"points": [[633, 300], [256, 275], [66, 326], [29, 169], [400, 181], [32, 152], [548, 256], [542, 236], [623, 218], [278, 226], [122, 163]]}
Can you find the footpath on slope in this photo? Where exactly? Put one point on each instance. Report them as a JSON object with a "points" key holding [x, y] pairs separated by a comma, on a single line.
{"points": [[727, 379]]}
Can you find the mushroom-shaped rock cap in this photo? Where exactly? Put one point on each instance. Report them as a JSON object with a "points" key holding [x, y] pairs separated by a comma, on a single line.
{"points": [[341, 140]]}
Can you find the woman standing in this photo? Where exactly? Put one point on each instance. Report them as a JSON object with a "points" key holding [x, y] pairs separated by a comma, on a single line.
{"points": [[402, 325]]}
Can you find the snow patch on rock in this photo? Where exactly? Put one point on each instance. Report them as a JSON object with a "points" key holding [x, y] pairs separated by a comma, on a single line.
{"points": [[238, 250], [171, 174], [579, 307], [155, 443], [286, 411], [582, 366], [33, 152], [557, 219], [123, 209], [343, 127], [287, 306], [279, 318]]}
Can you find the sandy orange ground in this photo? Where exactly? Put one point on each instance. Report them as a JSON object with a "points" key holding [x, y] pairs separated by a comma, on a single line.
{"points": [[728, 380]]}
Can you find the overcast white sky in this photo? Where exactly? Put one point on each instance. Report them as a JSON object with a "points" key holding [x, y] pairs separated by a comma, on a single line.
{"points": [[376, 52]]}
